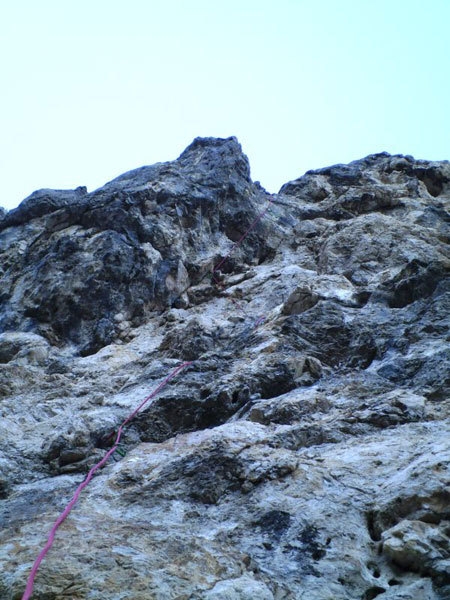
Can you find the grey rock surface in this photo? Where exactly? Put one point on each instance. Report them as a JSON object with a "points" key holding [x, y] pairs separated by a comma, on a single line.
{"points": [[305, 452]]}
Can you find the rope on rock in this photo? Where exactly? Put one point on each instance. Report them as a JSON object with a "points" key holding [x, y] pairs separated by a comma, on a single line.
{"points": [[236, 245], [62, 517], [244, 235]]}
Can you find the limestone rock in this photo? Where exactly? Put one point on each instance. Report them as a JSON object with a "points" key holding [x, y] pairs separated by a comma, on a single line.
{"points": [[303, 452], [93, 259], [41, 203], [421, 547], [300, 300]]}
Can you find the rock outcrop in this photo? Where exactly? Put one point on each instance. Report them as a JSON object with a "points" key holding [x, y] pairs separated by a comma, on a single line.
{"points": [[304, 453]]}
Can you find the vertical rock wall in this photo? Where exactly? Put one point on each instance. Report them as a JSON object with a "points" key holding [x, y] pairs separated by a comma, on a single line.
{"points": [[304, 453]]}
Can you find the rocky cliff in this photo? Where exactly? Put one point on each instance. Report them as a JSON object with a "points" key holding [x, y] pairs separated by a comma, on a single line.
{"points": [[304, 451]]}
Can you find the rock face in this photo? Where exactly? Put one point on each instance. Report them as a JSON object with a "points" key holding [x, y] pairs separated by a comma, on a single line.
{"points": [[305, 452]]}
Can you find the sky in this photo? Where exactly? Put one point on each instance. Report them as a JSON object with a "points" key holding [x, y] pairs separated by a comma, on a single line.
{"points": [[93, 88]]}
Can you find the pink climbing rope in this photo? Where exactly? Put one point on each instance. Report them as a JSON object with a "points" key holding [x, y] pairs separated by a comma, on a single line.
{"points": [[71, 504], [99, 465]]}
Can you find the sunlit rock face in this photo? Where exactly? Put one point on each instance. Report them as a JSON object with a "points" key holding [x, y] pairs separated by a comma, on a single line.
{"points": [[305, 452]]}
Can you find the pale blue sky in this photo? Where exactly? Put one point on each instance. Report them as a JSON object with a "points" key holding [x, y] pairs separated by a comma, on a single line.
{"points": [[93, 88]]}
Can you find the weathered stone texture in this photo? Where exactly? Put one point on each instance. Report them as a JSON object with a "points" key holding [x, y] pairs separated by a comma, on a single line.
{"points": [[306, 451]]}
